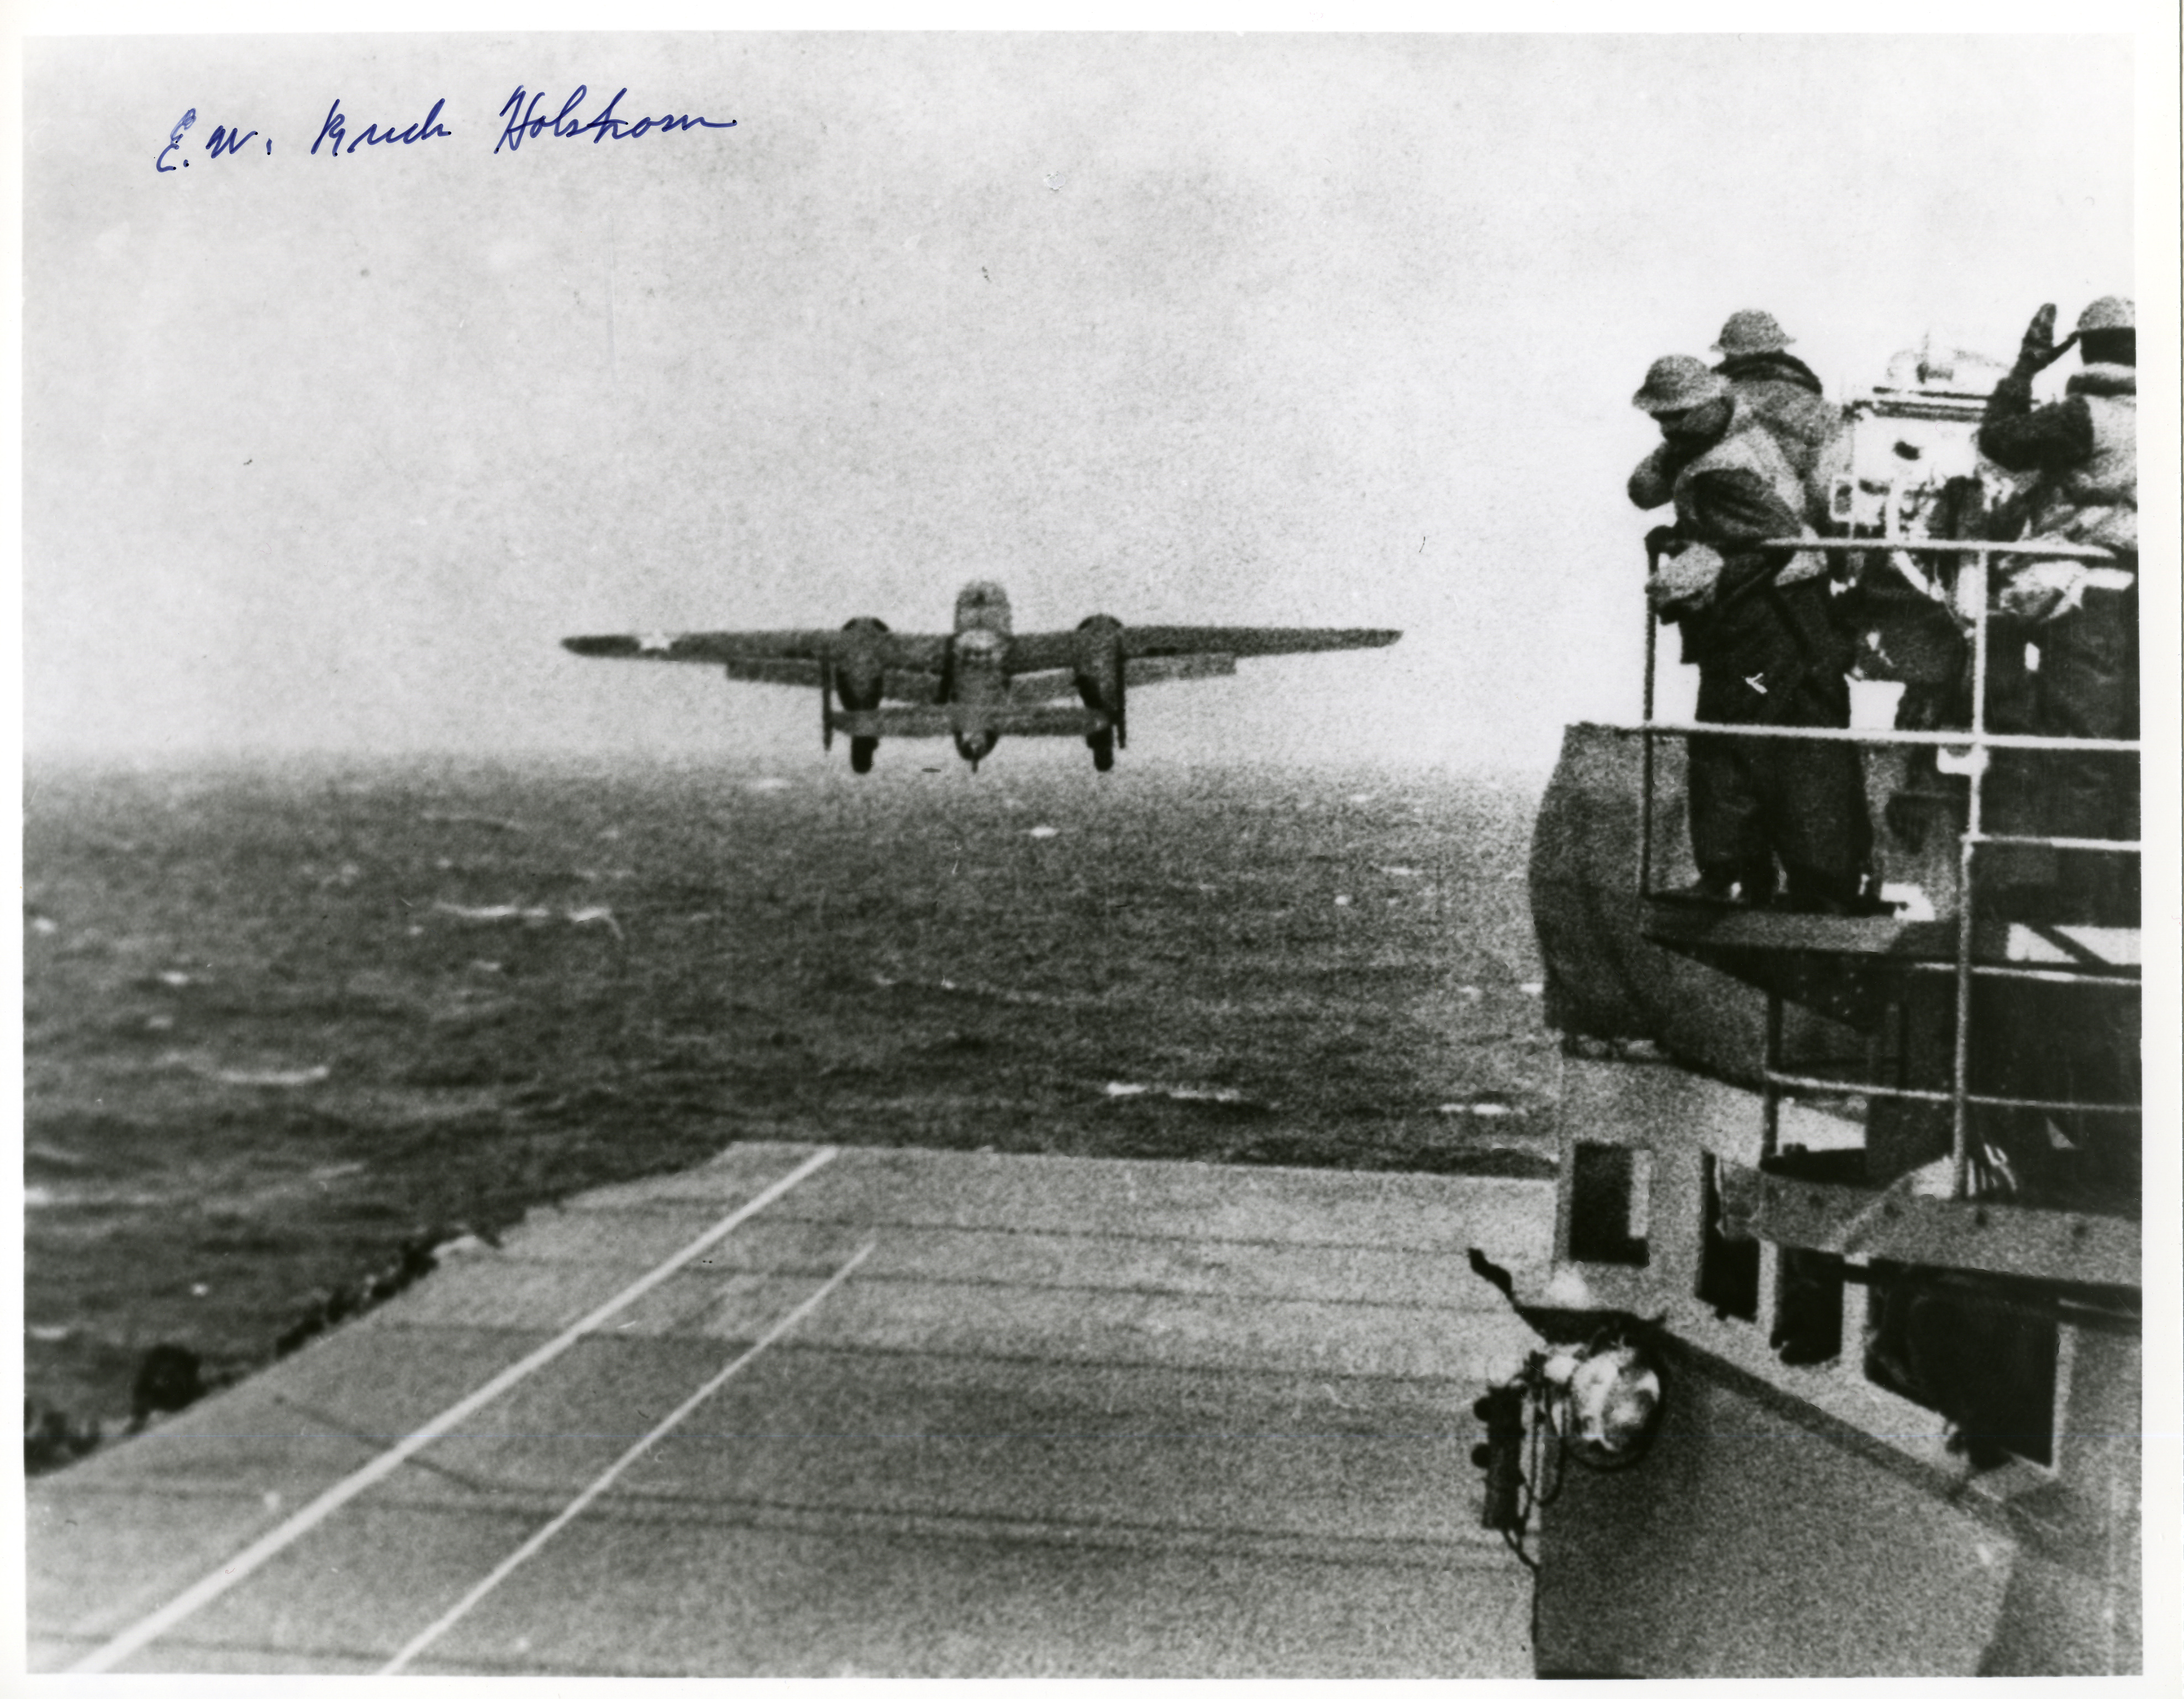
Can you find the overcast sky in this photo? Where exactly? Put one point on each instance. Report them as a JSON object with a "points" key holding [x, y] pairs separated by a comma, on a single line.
{"points": [[329, 453]]}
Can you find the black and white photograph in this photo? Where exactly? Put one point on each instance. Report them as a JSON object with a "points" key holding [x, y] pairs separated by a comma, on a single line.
{"points": [[1133, 851]]}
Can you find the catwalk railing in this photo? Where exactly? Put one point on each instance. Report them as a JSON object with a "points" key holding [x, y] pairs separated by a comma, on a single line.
{"points": [[1970, 596]]}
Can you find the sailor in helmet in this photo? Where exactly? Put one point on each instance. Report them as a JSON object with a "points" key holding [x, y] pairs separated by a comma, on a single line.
{"points": [[1756, 622], [2063, 661], [1786, 396], [2082, 616]]}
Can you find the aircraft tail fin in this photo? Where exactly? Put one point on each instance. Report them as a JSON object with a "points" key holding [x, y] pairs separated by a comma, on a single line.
{"points": [[1049, 722], [1013, 722], [894, 722]]}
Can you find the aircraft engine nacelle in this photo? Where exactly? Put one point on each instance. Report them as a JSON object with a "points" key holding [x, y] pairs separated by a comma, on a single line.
{"points": [[858, 679], [1099, 671], [860, 675]]}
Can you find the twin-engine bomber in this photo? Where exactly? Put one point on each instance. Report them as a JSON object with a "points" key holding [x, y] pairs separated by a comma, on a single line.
{"points": [[981, 680]]}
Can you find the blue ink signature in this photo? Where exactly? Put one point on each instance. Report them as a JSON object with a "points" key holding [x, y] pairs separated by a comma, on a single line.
{"points": [[224, 141], [525, 121], [174, 142], [336, 128]]}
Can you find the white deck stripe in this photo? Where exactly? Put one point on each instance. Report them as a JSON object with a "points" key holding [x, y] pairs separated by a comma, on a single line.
{"points": [[318, 1509], [576, 1505]]}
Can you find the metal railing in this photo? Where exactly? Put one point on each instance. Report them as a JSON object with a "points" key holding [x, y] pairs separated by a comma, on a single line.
{"points": [[1970, 596]]}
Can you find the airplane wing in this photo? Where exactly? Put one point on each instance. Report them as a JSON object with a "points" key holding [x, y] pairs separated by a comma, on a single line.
{"points": [[902, 685], [769, 657], [1049, 684], [1149, 642], [905, 685], [1059, 683], [1034, 652], [712, 649]]}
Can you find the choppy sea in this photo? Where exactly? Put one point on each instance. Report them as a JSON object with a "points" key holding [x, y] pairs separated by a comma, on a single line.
{"points": [[281, 1021]]}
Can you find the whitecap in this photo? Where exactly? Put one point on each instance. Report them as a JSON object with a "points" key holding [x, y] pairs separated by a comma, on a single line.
{"points": [[490, 912], [596, 917], [282, 1078], [1176, 1093]]}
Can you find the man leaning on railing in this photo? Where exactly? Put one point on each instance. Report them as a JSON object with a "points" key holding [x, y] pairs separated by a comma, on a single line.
{"points": [[1758, 624]]}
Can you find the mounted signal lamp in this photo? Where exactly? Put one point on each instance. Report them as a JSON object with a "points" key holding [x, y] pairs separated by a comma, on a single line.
{"points": [[1605, 1400]]}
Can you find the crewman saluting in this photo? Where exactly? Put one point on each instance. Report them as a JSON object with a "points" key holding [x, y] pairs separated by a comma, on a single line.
{"points": [[2082, 617], [1757, 623]]}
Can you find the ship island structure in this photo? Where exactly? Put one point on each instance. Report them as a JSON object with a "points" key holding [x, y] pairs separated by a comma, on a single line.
{"points": [[1827, 1385]]}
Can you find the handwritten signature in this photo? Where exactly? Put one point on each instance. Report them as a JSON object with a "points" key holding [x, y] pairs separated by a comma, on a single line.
{"points": [[220, 144], [526, 123], [336, 128]]}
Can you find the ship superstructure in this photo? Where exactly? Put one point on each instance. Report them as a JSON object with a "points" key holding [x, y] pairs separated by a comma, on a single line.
{"points": [[1851, 1200]]}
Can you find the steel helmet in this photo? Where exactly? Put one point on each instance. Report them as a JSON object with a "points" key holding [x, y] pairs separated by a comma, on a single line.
{"points": [[1677, 382], [1750, 332], [2110, 313]]}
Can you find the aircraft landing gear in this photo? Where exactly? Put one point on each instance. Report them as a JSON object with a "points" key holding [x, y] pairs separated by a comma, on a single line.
{"points": [[861, 754], [1102, 746]]}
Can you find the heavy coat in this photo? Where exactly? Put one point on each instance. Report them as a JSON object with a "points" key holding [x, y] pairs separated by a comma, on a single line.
{"points": [[1780, 392], [1735, 493], [2084, 450], [1785, 395]]}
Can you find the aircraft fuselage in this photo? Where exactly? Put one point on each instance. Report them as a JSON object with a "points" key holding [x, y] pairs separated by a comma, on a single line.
{"points": [[978, 664]]}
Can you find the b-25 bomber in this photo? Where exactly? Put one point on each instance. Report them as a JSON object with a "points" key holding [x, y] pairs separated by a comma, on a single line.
{"points": [[981, 680]]}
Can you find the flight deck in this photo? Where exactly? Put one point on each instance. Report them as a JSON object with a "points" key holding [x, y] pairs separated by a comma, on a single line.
{"points": [[812, 1411]]}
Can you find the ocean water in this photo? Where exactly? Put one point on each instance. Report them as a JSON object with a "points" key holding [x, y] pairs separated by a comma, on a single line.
{"points": [[279, 1021]]}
